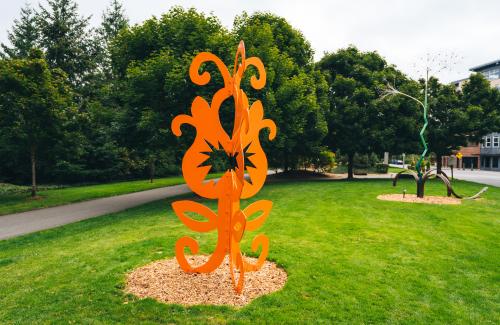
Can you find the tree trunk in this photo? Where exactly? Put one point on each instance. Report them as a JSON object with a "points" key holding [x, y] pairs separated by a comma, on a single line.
{"points": [[285, 161], [350, 166], [439, 164], [152, 170], [33, 171]]}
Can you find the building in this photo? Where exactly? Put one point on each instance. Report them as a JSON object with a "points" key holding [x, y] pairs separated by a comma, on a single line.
{"points": [[471, 157], [490, 71], [484, 155], [460, 83], [490, 152]]}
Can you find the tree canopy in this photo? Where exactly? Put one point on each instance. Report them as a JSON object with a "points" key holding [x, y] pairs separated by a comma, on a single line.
{"points": [[102, 99]]}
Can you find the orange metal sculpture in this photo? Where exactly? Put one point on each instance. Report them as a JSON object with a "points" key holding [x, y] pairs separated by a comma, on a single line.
{"points": [[230, 220]]}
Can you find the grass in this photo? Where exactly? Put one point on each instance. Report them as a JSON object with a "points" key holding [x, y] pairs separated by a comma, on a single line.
{"points": [[16, 199], [350, 259], [391, 169], [342, 169]]}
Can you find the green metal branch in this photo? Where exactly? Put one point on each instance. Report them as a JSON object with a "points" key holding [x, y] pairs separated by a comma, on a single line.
{"points": [[422, 131]]}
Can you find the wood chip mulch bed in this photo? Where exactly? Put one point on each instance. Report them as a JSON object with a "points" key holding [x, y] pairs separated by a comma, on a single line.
{"points": [[412, 198], [166, 282]]}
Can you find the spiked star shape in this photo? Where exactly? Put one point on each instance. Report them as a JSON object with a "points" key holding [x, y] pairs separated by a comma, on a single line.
{"points": [[228, 161]]}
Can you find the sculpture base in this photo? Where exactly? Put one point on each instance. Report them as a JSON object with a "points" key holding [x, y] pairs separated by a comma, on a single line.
{"points": [[166, 282], [412, 198]]}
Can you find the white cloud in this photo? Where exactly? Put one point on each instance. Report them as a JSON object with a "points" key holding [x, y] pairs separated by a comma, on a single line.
{"points": [[402, 31]]}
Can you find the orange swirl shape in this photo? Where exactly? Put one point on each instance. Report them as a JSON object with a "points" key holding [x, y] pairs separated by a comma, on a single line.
{"points": [[230, 220]]}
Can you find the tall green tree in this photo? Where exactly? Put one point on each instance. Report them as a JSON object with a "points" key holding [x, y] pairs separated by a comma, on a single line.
{"points": [[113, 21], [449, 121], [295, 95], [483, 103], [24, 35], [358, 121], [35, 105], [152, 61], [67, 40]]}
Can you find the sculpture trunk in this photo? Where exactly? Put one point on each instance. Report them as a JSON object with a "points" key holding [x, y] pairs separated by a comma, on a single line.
{"points": [[420, 188]]}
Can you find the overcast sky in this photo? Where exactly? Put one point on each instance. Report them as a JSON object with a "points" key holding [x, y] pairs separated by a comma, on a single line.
{"points": [[404, 32]]}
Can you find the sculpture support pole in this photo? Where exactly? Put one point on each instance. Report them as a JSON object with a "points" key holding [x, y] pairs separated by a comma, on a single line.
{"points": [[418, 165]]}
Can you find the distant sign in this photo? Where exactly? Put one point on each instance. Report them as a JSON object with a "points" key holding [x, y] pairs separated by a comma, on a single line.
{"points": [[459, 155]]}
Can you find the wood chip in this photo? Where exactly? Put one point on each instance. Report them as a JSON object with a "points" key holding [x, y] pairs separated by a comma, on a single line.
{"points": [[166, 282], [412, 198]]}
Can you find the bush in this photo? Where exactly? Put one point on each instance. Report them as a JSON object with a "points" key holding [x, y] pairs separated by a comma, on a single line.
{"points": [[325, 161], [381, 168]]}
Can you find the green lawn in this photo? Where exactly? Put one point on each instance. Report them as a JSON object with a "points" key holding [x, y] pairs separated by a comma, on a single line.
{"points": [[350, 259], [394, 169], [19, 202]]}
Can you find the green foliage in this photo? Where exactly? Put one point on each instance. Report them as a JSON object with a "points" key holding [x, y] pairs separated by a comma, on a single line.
{"points": [[11, 189], [325, 161], [66, 39], [381, 168], [126, 83], [114, 21], [449, 122], [35, 110], [295, 95], [358, 121], [156, 84], [24, 35], [482, 104]]}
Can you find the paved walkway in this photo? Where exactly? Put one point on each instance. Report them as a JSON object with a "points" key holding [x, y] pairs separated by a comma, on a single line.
{"points": [[17, 224], [476, 176]]}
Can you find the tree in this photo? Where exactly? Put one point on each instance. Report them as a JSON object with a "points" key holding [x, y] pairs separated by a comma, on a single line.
{"points": [[295, 95], [449, 123], [113, 21], [24, 35], [35, 103], [67, 41], [483, 104], [183, 32], [152, 61], [358, 121]]}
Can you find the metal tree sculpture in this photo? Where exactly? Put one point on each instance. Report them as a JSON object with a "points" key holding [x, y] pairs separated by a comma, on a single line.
{"points": [[244, 150], [419, 176]]}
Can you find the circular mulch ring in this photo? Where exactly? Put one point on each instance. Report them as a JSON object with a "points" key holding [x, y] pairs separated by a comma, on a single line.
{"points": [[166, 282], [412, 198]]}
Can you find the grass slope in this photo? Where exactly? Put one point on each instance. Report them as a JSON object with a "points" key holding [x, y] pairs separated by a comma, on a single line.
{"points": [[19, 202], [350, 259]]}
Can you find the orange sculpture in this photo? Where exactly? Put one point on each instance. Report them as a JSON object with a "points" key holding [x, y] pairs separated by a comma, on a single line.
{"points": [[230, 220]]}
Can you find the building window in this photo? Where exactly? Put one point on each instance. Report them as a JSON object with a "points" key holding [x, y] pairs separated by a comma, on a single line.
{"points": [[495, 162], [487, 142], [492, 74], [496, 142], [482, 162]]}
